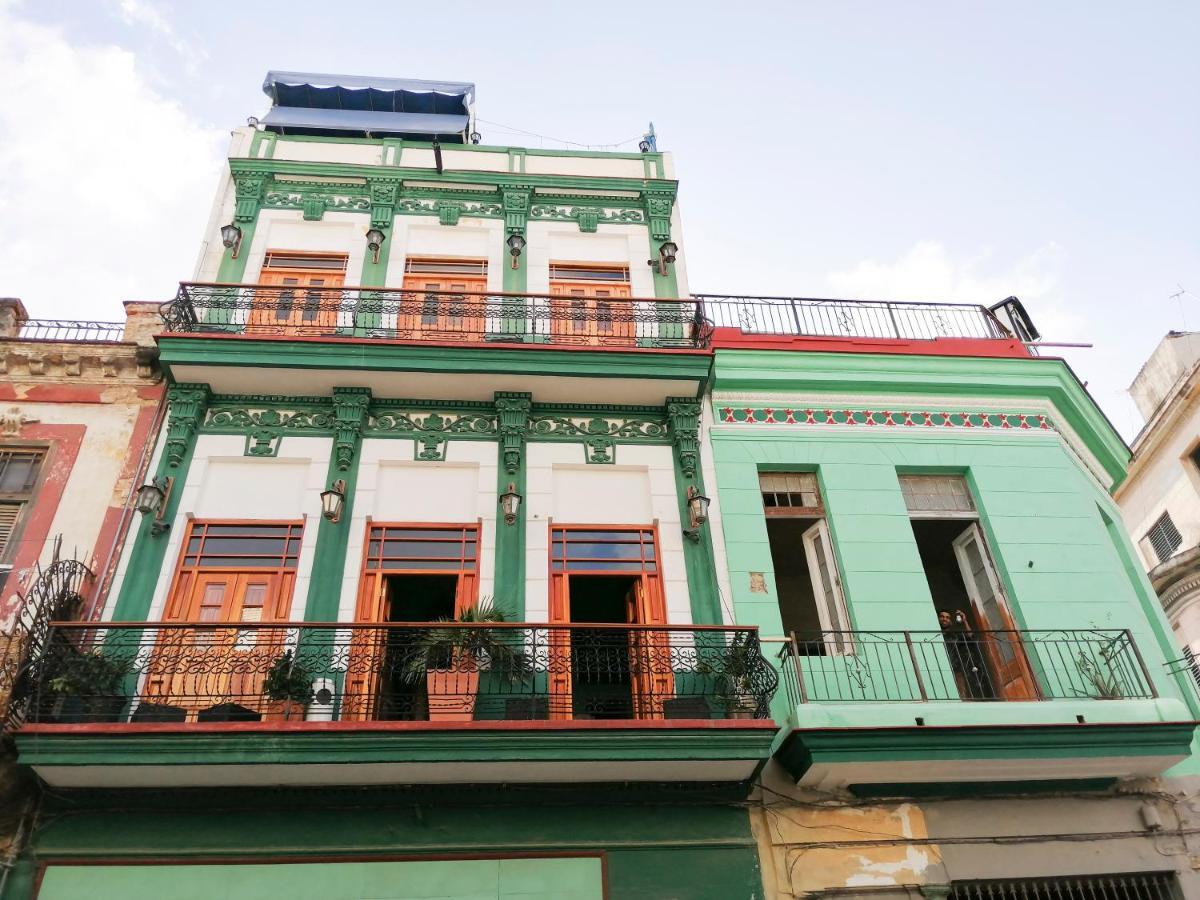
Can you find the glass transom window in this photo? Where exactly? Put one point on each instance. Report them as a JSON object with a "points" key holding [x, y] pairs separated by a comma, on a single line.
{"points": [[790, 494], [233, 545], [937, 495]]}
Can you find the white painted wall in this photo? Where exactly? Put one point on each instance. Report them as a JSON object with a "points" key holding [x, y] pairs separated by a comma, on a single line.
{"points": [[364, 154], [471, 238], [563, 242], [394, 487], [285, 229], [637, 490], [222, 483], [94, 482], [1166, 479]]}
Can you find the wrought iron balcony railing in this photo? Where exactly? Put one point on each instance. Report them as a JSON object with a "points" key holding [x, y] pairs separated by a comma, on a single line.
{"points": [[919, 666], [200, 672], [851, 318], [69, 330], [435, 316]]}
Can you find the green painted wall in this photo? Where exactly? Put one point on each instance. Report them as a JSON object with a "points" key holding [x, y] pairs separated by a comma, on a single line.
{"points": [[529, 879], [686, 849]]}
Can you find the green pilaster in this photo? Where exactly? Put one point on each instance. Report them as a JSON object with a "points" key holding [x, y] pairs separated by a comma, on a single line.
{"points": [[516, 280], [186, 404], [684, 416], [248, 191], [512, 414], [374, 274], [329, 559]]}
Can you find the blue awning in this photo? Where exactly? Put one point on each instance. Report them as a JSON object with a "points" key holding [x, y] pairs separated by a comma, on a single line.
{"points": [[304, 102]]}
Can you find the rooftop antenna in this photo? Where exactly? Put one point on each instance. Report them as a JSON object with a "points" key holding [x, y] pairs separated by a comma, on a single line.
{"points": [[1178, 296], [649, 141]]}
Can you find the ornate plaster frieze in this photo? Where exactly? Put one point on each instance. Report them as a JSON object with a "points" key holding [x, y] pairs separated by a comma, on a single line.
{"points": [[430, 418], [888, 418], [265, 419], [598, 428], [45, 362], [586, 217]]}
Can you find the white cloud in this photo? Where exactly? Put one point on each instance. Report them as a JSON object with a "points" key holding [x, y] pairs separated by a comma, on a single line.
{"points": [[148, 15], [106, 184], [928, 272]]}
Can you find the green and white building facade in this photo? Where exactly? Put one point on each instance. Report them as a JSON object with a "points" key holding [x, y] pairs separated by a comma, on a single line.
{"points": [[478, 557]]}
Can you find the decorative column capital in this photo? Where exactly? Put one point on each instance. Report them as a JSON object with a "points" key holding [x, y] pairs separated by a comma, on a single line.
{"points": [[349, 415], [658, 213], [516, 200], [248, 189], [186, 404], [683, 414], [383, 201], [512, 418]]}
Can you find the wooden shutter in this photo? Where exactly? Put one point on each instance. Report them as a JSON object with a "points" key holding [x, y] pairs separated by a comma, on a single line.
{"points": [[10, 514]]}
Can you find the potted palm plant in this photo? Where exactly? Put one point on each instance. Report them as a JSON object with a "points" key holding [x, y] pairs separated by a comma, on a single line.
{"points": [[448, 661], [733, 672], [289, 684]]}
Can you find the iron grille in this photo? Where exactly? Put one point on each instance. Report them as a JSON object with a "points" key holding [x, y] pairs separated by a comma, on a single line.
{"points": [[1164, 537], [1151, 886]]}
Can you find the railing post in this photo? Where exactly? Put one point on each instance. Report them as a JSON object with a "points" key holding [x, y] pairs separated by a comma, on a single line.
{"points": [[1137, 654], [796, 666], [912, 655], [796, 316], [891, 310]]}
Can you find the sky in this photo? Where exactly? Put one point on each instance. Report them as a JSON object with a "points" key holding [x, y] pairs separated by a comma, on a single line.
{"points": [[942, 151]]}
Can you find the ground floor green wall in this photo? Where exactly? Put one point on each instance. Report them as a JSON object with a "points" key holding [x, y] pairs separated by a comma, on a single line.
{"points": [[680, 847]]}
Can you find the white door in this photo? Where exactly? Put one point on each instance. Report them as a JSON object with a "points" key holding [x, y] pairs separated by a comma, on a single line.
{"points": [[827, 589]]}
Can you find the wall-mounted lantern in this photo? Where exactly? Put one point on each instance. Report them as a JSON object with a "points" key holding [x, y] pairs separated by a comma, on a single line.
{"points": [[151, 501], [375, 239], [644, 145], [516, 244], [252, 121], [510, 504], [697, 505], [476, 137], [666, 257], [332, 500], [231, 237]]}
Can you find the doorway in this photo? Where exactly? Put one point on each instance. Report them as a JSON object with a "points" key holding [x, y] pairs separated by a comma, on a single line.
{"points": [[983, 644], [600, 657], [403, 691]]}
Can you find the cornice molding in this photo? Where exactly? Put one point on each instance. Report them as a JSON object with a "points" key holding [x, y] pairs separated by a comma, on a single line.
{"points": [[72, 362]]}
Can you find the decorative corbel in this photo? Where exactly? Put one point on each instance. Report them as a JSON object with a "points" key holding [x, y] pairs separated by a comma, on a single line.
{"points": [[658, 213], [512, 415], [684, 416], [516, 208], [383, 201], [186, 404], [349, 414], [248, 189]]}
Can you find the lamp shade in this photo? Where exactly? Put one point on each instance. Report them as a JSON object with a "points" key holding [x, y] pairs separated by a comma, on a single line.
{"points": [[230, 235], [510, 504], [149, 499], [333, 499], [374, 239], [668, 251], [516, 243], [697, 507]]}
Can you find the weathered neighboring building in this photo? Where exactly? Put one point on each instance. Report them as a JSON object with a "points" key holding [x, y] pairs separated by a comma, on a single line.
{"points": [[1160, 497]]}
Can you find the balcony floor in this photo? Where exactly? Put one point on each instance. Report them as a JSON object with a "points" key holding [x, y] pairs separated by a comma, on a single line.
{"points": [[333, 753]]}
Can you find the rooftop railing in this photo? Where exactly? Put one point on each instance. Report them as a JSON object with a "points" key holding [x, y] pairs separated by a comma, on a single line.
{"points": [[69, 330], [460, 317], [925, 666], [850, 318], [340, 672]]}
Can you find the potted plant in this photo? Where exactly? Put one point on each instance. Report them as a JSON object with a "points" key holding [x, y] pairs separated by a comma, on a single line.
{"points": [[85, 687], [733, 672], [289, 684], [449, 660]]}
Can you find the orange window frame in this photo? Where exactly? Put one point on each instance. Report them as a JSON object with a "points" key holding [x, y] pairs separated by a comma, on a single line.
{"points": [[372, 578], [266, 311]]}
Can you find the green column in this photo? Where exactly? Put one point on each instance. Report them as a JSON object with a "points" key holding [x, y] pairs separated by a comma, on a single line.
{"points": [[672, 323], [369, 315], [698, 557], [329, 558], [186, 404], [222, 305], [516, 279], [512, 415]]}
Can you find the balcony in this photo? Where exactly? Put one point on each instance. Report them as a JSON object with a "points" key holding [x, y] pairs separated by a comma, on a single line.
{"points": [[913, 707], [69, 330], [804, 323], [193, 703], [278, 340]]}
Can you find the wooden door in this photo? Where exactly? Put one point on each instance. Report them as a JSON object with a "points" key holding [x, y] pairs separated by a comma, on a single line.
{"points": [[200, 668], [827, 590], [650, 653], [1001, 642], [443, 307], [592, 314], [301, 301]]}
